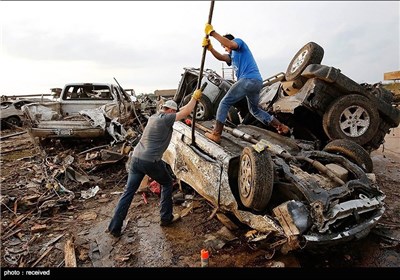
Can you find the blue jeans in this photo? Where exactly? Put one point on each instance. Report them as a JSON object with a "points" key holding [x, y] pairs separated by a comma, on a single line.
{"points": [[137, 170], [249, 88]]}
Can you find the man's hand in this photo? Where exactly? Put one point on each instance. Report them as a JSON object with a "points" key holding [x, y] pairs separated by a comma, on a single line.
{"points": [[208, 29], [206, 43], [197, 94]]}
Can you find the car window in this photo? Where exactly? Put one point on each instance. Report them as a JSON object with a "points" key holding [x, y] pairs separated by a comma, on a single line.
{"points": [[5, 105], [96, 92], [21, 103]]}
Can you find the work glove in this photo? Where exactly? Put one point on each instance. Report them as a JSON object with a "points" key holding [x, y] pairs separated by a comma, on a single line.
{"points": [[208, 29], [197, 94], [206, 43]]}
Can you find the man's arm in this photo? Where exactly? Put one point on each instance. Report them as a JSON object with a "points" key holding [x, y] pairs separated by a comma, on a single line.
{"points": [[220, 56], [224, 41], [232, 45], [185, 110]]}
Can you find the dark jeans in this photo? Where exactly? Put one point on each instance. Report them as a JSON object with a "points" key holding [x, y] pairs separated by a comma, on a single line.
{"points": [[137, 170]]}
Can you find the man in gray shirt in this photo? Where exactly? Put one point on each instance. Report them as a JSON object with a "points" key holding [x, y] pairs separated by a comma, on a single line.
{"points": [[146, 160]]}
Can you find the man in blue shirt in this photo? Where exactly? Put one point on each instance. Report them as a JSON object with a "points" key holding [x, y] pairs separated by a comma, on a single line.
{"points": [[249, 82]]}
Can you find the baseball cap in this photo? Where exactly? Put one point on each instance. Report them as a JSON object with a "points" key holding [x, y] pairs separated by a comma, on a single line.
{"points": [[171, 104]]}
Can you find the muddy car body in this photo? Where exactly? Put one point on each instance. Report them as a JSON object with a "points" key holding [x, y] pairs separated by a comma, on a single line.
{"points": [[317, 101], [329, 106], [320, 102], [292, 195]]}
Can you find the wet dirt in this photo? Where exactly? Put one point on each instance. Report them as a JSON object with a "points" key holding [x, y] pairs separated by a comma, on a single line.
{"points": [[144, 243]]}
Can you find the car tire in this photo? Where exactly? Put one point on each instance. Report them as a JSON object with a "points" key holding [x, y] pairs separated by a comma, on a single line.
{"points": [[351, 117], [352, 151], [14, 121], [256, 178], [203, 109], [311, 53]]}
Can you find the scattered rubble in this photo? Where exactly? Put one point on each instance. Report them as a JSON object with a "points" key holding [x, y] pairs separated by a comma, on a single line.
{"points": [[47, 223]]}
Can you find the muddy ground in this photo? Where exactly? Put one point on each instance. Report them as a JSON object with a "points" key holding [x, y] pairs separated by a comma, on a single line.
{"points": [[68, 230]]}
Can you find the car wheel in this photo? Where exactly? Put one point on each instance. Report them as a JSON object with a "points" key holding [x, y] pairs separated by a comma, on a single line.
{"points": [[311, 53], [256, 176], [14, 121], [352, 151], [351, 117], [204, 108]]}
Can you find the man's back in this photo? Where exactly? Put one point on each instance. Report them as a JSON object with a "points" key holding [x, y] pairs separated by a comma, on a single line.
{"points": [[156, 137]]}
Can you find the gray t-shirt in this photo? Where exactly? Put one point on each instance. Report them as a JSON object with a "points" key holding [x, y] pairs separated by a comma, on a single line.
{"points": [[156, 137]]}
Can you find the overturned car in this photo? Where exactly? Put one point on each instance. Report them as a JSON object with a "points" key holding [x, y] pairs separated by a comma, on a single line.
{"points": [[317, 101], [292, 195]]}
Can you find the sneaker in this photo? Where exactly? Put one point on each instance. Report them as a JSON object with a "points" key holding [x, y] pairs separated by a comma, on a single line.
{"points": [[175, 217]]}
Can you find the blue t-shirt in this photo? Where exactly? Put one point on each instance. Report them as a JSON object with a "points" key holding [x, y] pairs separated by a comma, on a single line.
{"points": [[243, 62]]}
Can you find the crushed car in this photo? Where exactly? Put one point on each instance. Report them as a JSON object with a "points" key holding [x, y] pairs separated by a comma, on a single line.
{"points": [[318, 102], [11, 111], [84, 110], [290, 194]]}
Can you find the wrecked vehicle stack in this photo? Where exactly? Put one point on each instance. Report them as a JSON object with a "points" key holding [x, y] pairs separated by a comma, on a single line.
{"points": [[315, 188], [299, 196], [317, 101]]}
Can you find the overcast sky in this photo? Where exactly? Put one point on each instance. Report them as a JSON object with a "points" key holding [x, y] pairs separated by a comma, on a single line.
{"points": [[146, 45]]}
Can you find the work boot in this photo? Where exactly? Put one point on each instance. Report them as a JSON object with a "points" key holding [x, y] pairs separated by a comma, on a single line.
{"points": [[215, 135], [280, 127]]}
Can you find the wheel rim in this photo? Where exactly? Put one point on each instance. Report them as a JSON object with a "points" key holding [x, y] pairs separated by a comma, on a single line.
{"points": [[200, 112], [354, 121], [245, 176], [299, 61]]}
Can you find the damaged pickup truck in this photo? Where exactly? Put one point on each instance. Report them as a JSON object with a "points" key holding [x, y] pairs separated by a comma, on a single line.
{"points": [[84, 110], [291, 195]]}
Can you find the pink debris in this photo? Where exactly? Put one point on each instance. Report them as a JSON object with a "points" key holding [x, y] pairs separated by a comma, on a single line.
{"points": [[155, 187]]}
